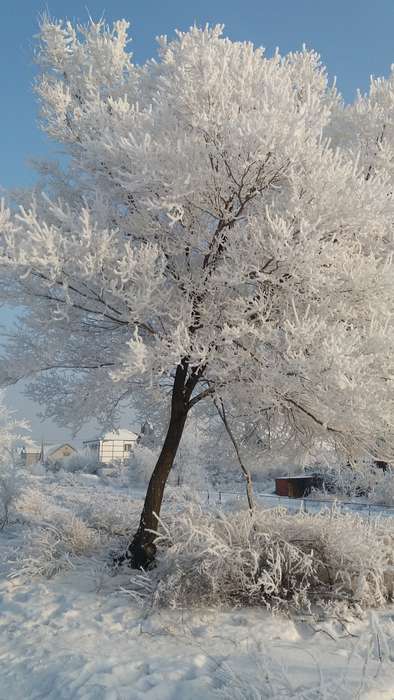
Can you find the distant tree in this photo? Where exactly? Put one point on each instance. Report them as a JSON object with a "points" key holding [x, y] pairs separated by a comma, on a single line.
{"points": [[12, 436], [147, 436], [205, 238]]}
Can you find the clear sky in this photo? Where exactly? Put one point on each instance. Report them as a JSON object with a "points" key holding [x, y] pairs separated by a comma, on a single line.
{"points": [[354, 38]]}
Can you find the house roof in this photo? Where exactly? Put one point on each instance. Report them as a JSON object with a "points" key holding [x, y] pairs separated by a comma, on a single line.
{"points": [[121, 434], [31, 449], [50, 449]]}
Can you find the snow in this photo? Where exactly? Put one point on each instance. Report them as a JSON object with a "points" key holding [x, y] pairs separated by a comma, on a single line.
{"points": [[121, 434], [80, 635], [67, 639]]}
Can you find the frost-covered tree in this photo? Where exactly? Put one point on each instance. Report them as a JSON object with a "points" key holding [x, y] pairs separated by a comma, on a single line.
{"points": [[205, 236], [12, 434], [366, 129]]}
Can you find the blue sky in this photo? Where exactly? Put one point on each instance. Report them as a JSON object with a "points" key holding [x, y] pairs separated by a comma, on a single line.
{"points": [[354, 38]]}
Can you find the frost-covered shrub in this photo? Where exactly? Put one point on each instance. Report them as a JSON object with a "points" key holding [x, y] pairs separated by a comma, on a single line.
{"points": [[57, 536], [33, 502], [363, 480], [37, 469], [109, 513], [77, 537], [84, 461], [141, 464], [383, 492], [113, 514], [182, 495], [55, 547], [350, 481], [69, 522], [271, 558]]}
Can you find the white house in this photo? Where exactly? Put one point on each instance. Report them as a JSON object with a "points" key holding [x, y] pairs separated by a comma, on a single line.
{"points": [[112, 446]]}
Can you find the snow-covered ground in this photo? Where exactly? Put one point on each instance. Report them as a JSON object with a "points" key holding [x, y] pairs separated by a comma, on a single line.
{"points": [[267, 499], [80, 635]]}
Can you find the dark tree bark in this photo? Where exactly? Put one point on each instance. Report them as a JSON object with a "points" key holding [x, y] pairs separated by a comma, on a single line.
{"points": [[142, 549]]}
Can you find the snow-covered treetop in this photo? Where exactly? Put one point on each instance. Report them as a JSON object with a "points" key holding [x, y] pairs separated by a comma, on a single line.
{"points": [[205, 217], [366, 128]]}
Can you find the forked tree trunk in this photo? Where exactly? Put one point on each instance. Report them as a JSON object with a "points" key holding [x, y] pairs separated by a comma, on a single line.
{"points": [[142, 550]]}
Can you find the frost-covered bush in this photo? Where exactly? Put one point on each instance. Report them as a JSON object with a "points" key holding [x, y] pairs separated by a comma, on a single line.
{"points": [[350, 481], [141, 463], [57, 536], [180, 496], [33, 502], [271, 558], [108, 513], [70, 521], [84, 461], [55, 547], [114, 514], [383, 492]]}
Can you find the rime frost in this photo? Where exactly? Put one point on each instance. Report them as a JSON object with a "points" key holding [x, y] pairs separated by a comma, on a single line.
{"points": [[221, 208]]}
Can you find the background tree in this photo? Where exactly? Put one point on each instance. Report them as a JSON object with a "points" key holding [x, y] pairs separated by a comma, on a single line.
{"points": [[204, 235], [12, 437]]}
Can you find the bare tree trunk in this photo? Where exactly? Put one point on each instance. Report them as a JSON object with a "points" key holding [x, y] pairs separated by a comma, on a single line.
{"points": [[246, 473], [142, 549]]}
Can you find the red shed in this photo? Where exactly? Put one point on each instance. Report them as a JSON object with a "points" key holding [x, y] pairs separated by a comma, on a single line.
{"points": [[297, 486]]}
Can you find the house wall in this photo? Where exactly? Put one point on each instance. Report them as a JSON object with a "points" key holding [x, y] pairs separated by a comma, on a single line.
{"points": [[32, 458], [282, 487], [114, 450]]}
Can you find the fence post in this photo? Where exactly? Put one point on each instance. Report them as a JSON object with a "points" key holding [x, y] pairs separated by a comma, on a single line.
{"points": [[220, 496]]}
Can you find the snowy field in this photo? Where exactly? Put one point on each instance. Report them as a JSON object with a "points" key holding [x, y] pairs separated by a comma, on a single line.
{"points": [[72, 630]]}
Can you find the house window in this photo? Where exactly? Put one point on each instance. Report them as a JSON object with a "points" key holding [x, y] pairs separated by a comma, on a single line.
{"points": [[127, 447]]}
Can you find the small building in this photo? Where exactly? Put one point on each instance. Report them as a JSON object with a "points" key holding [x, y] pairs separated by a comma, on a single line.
{"points": [[114, 446], [55, 453], [297, 486], [31, 454]]}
